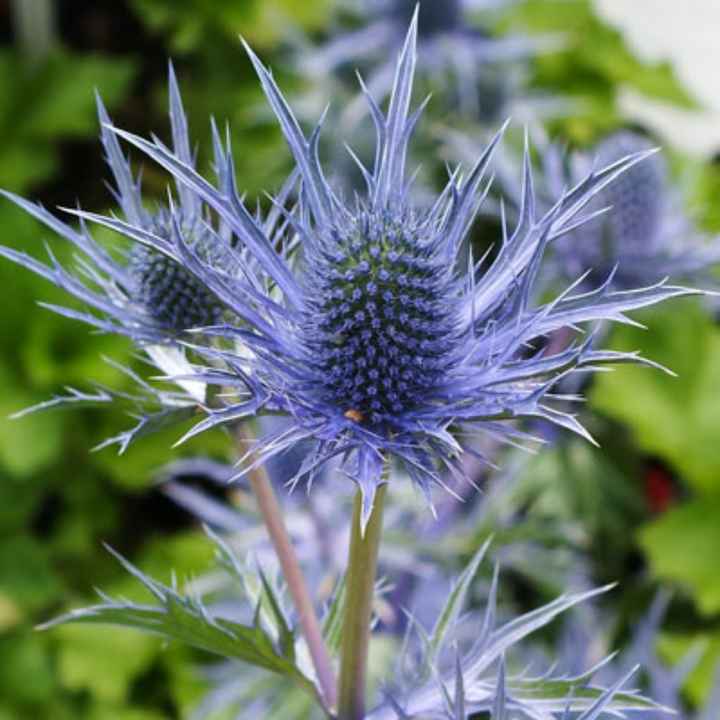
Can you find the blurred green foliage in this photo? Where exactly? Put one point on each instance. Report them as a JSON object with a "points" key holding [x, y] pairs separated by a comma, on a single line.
{"points": [[194, 24], [592, 66], [677, 419], [45, 101]]}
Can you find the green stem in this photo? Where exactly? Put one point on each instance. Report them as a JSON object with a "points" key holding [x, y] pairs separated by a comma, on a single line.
{"points": [[360, 587], [34, 25]]}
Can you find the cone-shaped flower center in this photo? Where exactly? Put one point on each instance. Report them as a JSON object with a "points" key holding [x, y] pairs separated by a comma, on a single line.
{"points": [[382, 328], [636, 197], [169, 292]]}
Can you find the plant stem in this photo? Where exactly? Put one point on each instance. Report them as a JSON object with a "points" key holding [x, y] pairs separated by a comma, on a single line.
{"points": [[360, 587], [272, 516], [34, 25]]}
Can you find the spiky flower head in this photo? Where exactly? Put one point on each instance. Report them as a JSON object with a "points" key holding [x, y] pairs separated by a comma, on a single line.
{"points": [[646, 235], [379, 317], [144, 293], [380, 339]]}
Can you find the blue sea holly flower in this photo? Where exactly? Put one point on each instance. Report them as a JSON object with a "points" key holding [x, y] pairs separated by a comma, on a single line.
{"points": [[145, 293], [646, 235], [378, 338], [148, 293]]}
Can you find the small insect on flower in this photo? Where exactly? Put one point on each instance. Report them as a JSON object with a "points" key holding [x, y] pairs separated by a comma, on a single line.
{"points": [[378, 339], [355, 416]]}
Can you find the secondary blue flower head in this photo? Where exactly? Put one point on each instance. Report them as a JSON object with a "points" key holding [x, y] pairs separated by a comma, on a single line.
{"points": [[378, 338], [148, 293], [646, 234], [144, 293]]}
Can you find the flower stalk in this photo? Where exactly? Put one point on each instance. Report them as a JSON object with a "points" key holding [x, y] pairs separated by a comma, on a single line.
{"points": [[295, 580], [360, 587]]}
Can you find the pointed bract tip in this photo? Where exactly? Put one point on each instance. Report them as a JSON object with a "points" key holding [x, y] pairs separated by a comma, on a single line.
{"points": [[251, 53], [410, 44]]}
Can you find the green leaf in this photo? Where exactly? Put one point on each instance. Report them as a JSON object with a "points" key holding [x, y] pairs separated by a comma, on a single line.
{"points": [[682, 546], [675, 418], [594, 46], [334, 618], [194, 22], [26, 575], [262, 595], [675, 647], [29, 445], [592, 65], [44, 101], [84, 662], [578, 695], [115, 712], [185, 619], [27, 673], [286, 635]]}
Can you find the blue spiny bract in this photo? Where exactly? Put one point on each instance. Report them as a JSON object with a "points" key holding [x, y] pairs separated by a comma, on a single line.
{"points": [[379, 318]]}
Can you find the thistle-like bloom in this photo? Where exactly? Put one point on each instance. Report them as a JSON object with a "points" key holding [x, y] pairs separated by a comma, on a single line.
{"points": [[449, 47], [143, 293], [646, 233], [380, 340], [148, 294]]}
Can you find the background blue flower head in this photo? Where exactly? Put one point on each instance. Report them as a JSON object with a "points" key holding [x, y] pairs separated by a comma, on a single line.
{"points": [[144, 293], [646, 235], [374, 340], [473, 69]]}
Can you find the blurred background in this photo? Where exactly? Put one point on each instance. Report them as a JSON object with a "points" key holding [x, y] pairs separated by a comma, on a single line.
{"points": [[644, 510]]}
